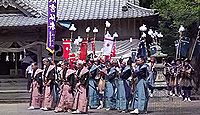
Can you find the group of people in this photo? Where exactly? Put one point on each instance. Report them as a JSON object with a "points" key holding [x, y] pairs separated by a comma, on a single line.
{"points": [[95, 84], [178, 76]]}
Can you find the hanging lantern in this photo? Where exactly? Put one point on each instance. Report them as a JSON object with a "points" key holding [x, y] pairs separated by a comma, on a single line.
{"points": [[24, 52], [13, 56], [20, 57], [131, 40], [7, 57], [143, 35]]}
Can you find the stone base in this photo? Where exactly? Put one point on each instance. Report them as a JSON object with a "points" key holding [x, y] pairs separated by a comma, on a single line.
{"points": [[160, 85]]}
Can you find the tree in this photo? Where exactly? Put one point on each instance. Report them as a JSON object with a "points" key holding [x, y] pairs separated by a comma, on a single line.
{"points": [[146, 3], [174, 13]]}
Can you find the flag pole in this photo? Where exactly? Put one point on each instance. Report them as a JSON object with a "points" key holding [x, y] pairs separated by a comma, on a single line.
{"points": [[95, 31], [107, 25], [181, 30], [53, 58], [94, 45], [179, 46]]}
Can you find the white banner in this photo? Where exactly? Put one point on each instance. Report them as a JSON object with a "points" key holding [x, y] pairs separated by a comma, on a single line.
{"points": [[107, 46]]}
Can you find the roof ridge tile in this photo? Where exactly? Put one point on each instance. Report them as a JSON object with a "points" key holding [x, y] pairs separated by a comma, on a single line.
{"points": [[74, 10]]}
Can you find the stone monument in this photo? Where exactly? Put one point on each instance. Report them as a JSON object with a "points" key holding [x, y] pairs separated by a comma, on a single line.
{"points": [[160, 81]]}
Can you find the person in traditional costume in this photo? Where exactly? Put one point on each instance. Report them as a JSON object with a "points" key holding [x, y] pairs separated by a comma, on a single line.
{"points": [[124, 89], [101, 84], [178, 77], [141, 95], [186, 80], [57, 81], [49, 78], [110, 87], [59, 70], [93, 91], [81, 100], [167, 74], [172, 83], [36, 87], [152, 75], [28, 75], [67, 88]]}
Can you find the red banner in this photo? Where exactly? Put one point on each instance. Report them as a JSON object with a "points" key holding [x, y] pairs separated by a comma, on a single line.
{"points": [[113, 52], [72, 57], [66, 48], [83, 50], [107, 58]]}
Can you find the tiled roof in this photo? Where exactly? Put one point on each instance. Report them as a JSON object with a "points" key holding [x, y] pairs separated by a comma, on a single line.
{"points": [[9, 21], [94, 9], [30, 16], [72, 10], [23, 6]]}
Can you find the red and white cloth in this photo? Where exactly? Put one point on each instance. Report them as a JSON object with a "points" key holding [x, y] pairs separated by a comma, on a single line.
{"points": [[66, 48], [108, 46], [113, 52], [83, 50]]}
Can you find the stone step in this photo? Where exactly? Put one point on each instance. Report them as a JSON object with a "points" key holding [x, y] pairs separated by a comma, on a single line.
{"points": [[12, 88], [10, 101], [18, 80], [5, 86], [13, 84], [14, 91], [14, 94]]}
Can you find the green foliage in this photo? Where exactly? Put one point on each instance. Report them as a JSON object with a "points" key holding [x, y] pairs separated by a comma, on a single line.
{"points": [[174, 13], [146, 3], [183, 12]]}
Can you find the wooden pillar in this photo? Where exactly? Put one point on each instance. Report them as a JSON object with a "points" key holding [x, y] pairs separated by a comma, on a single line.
{"points": [[39, 49], [39, 55], [134, 28], [16, 60]]}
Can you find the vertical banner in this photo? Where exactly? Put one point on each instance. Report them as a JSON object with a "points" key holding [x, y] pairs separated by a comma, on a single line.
{"points": [[107, 58], [72, 57], [142, 51], [93, 46], [107, 46], [196, 51], [153, 49], [182, 48], [83, 50], [51, 25], [134, 55], [113, 52], [66, 48]]}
